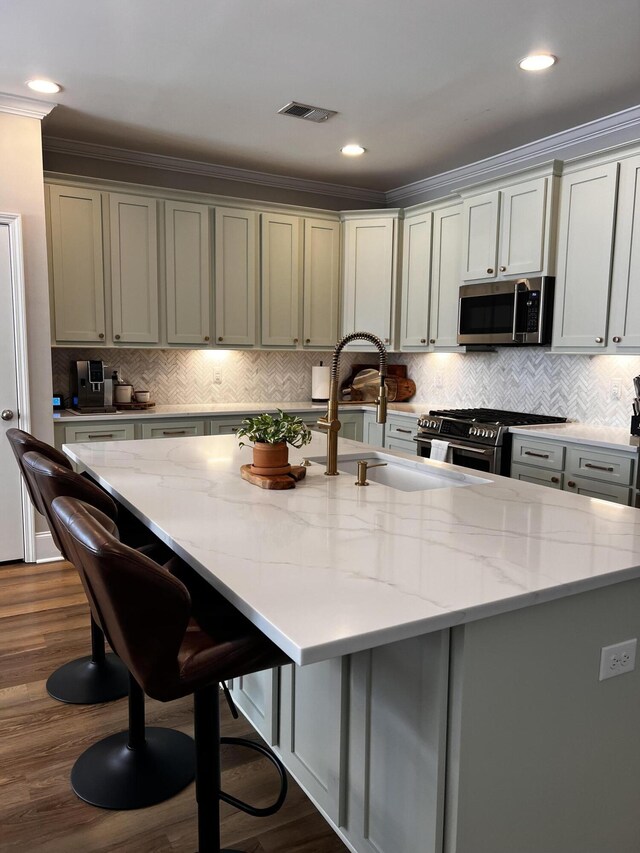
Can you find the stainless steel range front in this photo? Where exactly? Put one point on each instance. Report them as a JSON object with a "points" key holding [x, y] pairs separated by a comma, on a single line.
{"points": [[478, 438]]}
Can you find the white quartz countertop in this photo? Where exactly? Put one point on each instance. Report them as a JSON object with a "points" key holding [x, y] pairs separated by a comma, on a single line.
{"points": [[614, 438], [243, 409], [327, 568]]}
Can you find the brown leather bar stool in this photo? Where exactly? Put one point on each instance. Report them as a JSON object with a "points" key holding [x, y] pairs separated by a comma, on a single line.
{"points": [[146, 614], [145, 764], [100, 677]]}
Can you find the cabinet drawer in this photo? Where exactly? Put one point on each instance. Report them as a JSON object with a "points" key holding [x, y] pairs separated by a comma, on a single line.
{"points": [[539, 476], [595, 489], [403, 444], [228, 428], [597, 465], [402, 428], [542, 454], [172, 429], [98, 432]]}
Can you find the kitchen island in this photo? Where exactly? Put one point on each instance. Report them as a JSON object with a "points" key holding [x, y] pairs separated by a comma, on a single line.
{"points": [[446, 695]]}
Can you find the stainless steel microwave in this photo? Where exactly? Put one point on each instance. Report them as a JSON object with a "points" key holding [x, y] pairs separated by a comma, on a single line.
{"points": [[506, 313]]}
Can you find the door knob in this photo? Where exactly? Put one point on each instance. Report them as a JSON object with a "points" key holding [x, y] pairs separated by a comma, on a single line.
{"points": [[7, 415]]}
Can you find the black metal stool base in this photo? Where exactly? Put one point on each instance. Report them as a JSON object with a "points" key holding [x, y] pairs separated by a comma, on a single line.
{"points": [[87, 682], [111, 775]]}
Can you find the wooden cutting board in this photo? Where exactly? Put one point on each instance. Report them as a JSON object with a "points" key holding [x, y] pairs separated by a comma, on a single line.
{"points": [[275, 481]]}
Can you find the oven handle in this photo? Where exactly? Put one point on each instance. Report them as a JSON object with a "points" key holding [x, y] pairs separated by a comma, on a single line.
{"points": [[481, 451]]}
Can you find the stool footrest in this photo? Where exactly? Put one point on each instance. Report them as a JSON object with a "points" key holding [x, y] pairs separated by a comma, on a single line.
{"points": [[284, 785]]}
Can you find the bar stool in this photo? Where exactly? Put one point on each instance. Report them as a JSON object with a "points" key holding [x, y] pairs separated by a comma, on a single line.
{"points": [[145, 764], [100, 677], [146, 614]]}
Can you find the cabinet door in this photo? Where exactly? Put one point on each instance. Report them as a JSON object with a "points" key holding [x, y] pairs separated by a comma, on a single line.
{"points": [[372, 432], [171, 429], [416, 271], [538, 476], [585, 242], [522, 226], [625, 292], [134, 269], [480, 232], [236, 277], [321, 282], [445, 277], [351, 425], [188, 273], [256, 695], [595, 489], [280, 280], [313, 705], [77, 266], [368, 279]]}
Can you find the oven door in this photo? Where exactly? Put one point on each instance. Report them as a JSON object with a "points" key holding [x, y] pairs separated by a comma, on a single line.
{"points": [[468, 455]]}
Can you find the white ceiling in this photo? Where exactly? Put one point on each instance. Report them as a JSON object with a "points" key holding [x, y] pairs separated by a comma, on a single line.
{"points": [[424, 85]]}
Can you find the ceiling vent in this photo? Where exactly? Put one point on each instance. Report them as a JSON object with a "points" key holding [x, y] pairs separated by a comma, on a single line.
{"points": [[293, 108]]}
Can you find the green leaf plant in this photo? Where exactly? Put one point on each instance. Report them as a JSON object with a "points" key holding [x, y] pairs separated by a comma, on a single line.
{"points": [[275, 429]]}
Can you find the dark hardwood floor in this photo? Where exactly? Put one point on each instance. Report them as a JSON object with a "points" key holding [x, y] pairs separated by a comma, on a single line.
{"points": [[44, 622]]}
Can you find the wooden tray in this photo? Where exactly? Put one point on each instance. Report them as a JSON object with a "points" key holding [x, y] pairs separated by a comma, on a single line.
{"points": [[275, 481], [134, 406]]}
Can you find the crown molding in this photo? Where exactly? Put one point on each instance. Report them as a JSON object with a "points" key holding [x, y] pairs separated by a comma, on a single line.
{"points": [[210, 170], [27, 107], [611, 130]]}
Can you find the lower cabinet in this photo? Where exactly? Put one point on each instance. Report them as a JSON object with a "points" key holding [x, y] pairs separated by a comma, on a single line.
{"points": [[102, 431], [257, 695], [372, 431], [169, 429], [579, 468], [400, 432]]}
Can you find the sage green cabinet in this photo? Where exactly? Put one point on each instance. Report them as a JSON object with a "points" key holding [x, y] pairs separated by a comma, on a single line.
{"points": [[624, 322], [236, 280], [445, 277], [321, 282], [134, 269], [416, 280], [171, 428], [187, 273], [281, 275], [77, 269], [372, 431], [256, 695]]}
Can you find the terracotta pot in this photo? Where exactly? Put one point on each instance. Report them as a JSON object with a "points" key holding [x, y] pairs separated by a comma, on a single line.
{"points": [[270, 458]]}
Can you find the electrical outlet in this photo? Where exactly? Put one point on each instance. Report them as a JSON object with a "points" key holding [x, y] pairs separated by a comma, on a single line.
{"points": [[217, 375], [616, 389], [618, 659]]}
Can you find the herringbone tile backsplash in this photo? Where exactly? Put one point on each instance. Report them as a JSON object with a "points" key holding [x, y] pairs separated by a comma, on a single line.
{"points": [[526, 380]]}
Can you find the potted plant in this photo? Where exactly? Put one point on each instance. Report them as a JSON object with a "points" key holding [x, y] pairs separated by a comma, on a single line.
{"points": [[270, 435]]}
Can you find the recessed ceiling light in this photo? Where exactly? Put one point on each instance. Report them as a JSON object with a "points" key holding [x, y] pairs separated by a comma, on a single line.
{"points": [[353, 150], [537, 62], [45, 87]]}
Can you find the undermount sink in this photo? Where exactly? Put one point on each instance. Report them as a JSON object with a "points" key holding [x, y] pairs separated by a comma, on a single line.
{"points": [[406, 475]]}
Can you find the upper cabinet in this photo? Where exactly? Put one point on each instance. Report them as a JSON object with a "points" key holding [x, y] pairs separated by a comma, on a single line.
{"points": [[624, 323], [431, 278], [77, 269], [236, 251], [508, 230], [321, 282], [134, 269], [188, 273], [370, 274], [281, 279]]}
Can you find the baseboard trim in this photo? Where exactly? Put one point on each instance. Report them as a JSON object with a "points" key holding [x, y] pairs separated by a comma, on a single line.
{"points": [[46, 551]]}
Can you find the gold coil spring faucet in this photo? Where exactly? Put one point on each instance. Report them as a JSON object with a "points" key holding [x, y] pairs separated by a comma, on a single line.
{"points": [[330, 421]]}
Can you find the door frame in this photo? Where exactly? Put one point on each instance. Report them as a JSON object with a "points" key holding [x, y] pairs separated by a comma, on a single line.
{"points": [[16, 261]]}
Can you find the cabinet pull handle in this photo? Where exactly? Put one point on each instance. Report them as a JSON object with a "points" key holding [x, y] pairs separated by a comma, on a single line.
{"points": [[220, 339], [100, 435], [206, 337], [295, 340], [617, 339], [539, 455], [307, 340], [571, 484], [101, 335], [400, 429], [503, 269], [599, 340], [117, 337], [490, 270], [555, 479], [174, 432], [386, 340], [423, 340], [432, 340], [598, 467]]}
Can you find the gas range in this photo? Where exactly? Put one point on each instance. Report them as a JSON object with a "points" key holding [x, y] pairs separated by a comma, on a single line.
{"points": [[478, 438]]}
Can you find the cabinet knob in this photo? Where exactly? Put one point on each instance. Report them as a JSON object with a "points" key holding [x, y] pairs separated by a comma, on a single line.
{"points": [[503, 269], [599, 340], [101, 336], [206, 337], [295, 340], [490, 270], [386, 340], [117, 337], [307, 340], [432, 340], [571, 484], [220, 339], [423, 340], [555, 479], [617, 339]]}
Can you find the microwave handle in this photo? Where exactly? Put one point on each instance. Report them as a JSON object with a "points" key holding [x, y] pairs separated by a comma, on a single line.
{"points": [[516, 292]]}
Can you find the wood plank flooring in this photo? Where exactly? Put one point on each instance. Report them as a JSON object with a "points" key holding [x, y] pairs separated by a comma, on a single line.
{"points": [[44, 622]]}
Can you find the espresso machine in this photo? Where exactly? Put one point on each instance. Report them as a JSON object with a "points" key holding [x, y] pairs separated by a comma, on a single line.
{"points": [[91, 392]]}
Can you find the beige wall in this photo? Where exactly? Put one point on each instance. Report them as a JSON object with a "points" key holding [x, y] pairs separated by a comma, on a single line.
{"points": [[22, 191]]}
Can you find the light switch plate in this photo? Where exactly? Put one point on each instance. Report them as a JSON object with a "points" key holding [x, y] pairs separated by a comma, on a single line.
{"points": [[618, 659]]}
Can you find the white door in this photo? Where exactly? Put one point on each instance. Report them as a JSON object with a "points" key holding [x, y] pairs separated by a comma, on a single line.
{"points": [[11, 538]]}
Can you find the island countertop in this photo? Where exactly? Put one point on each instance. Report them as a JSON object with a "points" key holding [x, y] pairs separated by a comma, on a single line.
{"points": [[328, 569]]}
